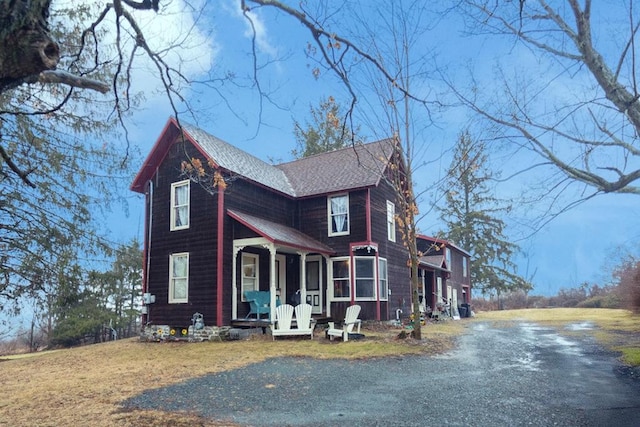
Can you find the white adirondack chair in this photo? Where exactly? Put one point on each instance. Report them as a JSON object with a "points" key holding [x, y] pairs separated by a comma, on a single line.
{"points": [[350, 320], [282, 324], [284, 315], [304, 322]]}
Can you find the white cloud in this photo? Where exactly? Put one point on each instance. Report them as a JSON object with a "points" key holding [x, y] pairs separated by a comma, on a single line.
{"points": [[263, 42]]}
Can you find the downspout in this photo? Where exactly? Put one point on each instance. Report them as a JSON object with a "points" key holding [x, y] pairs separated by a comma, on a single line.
{"points": [[146, 255], [219, 257]]}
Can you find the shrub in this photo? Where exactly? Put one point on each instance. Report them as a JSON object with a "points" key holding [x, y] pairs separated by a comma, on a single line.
{"points": [[628, 275]]}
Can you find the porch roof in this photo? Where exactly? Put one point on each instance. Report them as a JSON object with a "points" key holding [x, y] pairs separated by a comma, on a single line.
{"points": [[280, 234], [436, 262]]}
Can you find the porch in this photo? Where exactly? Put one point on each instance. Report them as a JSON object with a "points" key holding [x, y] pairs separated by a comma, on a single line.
{"points": [[280, 261]]}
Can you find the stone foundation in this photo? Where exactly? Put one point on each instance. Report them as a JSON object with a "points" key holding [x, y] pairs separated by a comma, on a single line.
{"points": [[157, 333]]}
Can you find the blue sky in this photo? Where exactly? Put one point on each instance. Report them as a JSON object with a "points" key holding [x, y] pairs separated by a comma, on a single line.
{"points": [[574, 248]]}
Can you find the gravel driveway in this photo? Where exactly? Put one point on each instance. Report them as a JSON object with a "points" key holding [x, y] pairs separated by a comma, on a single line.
{"points": [[520, 375]]}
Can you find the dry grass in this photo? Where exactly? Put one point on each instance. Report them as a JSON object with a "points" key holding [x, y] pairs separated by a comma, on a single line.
{"points": [[84, 386]]}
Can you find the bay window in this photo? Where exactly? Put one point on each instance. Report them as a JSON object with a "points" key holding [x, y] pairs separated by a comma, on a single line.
{"points": [[383, 284], [341, 282]]}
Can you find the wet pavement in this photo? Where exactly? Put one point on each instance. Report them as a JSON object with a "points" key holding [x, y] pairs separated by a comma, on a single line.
{"points": [[518, 375]]}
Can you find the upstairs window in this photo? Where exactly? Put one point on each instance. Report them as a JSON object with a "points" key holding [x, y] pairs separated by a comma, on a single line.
{"points": [[338, 209], [180, 205], [391, 221], [464, 267], [179, 278], [447, 254]]}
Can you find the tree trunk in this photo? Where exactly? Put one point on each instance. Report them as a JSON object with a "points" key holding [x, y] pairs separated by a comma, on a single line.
{"points": [[26, 48]]}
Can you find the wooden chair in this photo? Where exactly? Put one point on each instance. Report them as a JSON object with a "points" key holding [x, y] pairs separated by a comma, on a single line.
{"points": [[284, 315], [350, 320], [305, 324]]}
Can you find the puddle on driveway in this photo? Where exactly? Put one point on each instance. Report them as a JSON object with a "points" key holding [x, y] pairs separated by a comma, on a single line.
{"points": [[583, 326]]}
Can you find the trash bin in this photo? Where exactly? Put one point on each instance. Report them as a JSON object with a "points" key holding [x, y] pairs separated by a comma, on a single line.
{"points": [[463, 311], [467, 310]]}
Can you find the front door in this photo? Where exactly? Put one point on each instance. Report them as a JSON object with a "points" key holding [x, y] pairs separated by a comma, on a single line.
{"points": [[314, 283]]}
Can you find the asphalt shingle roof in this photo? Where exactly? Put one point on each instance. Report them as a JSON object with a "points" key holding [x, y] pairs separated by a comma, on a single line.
{"points": [[354, 167], [240, 162], [280, 234]]}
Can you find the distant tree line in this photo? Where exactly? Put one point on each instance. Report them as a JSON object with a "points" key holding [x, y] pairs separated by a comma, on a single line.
{"points": [[623, 292], [81, 305]]}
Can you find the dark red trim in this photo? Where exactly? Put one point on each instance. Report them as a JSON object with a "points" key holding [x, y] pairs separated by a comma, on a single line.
{"points": [[378, 285], [220, 258], [159, 151], [352, 278], [368, 214]]}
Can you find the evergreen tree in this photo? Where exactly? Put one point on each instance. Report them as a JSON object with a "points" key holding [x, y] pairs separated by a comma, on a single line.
{"points": [[472, 219], [327, 132]]}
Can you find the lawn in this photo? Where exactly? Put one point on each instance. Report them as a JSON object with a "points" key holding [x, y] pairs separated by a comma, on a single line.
{"points": [[85, 385]]}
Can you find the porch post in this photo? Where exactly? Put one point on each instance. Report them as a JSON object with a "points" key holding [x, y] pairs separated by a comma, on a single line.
{"points": [[329, 289], [272, 282], [234, 282], [303, 277]]}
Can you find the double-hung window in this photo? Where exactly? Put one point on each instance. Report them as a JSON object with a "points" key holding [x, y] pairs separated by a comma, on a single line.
{"points": [[250, 273], [391, 221], [383, 284], [338, 218], [341, 281], [180, 205], [179, 278], [365, 278]]}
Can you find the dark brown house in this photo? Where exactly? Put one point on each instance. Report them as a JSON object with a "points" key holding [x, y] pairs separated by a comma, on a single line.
{"points": [[319, 229]]}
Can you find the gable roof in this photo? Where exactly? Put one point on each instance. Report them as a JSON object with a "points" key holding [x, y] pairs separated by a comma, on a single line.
{"points": [[280, 234], [359, 166], [444, 242], [238, 161], [436, 262]]}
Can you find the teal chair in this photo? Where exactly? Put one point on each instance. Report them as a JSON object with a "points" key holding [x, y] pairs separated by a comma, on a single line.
{"points": [[259, 303]]}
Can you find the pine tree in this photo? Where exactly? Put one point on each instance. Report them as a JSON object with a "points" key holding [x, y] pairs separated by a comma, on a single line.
{"points": [[327, 132], [472, 218]]}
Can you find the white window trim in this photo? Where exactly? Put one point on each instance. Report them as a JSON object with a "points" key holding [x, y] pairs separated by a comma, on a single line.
{"points": [[330, 216], [391, 221], [256, 260], [384, 297], [173, 226], [173, 300], [374, 278]]}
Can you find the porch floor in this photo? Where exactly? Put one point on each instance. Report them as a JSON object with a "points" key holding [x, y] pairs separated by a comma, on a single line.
{"points": [[264, 323]]}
